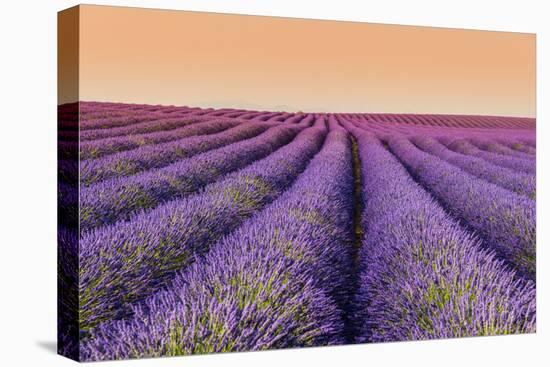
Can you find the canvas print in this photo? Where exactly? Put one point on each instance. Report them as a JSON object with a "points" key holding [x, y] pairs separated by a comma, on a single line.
{"points": [[243, 183]]}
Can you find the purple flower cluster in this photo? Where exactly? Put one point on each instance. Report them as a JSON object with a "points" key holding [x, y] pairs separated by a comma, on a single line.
{"points": [[275, 282], [503, 218], [197, 230], [109, 120], [118, 198], [98, 148], [148, 126], [519, 182], [125, 262], [464, 147], [125, 116], [131, 162], [421, 275], [519, 145], [496, 147], [447, 121]]}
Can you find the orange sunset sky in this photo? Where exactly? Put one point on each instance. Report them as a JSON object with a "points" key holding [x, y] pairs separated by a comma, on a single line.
{"points": [[269, 63]]}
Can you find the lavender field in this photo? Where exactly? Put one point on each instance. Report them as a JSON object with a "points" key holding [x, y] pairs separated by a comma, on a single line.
{"points": [[187, 231]]}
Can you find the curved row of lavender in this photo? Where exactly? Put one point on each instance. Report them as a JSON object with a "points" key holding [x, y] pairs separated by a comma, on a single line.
{"points": [[521, 140], [503, 218], [148, 126], [500, 148], [123, 263], [134, 153], [214, 230], [522, 183], [463, 146], [94, 116], [160, 154], [108, 122], [146, 157], [520, 146], [97, 148], [118, 198], [519, 182], [279, 281], [422, 275]]}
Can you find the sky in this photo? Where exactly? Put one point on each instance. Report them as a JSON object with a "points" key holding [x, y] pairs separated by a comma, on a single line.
{"points": [[272, 63]]}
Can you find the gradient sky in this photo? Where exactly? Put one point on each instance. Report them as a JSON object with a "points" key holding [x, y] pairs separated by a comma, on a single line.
{"points": [[217, 60]]}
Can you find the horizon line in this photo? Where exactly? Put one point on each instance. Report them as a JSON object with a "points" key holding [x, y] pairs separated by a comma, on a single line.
{"points": [[300, 111]]}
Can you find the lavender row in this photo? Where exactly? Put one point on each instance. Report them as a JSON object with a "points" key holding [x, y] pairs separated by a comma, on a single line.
{"points": [[118, 198], [155, 156], [105, 114], [99, 148], [504, 219], [273, 283], [126, 119], [496, 147], [421, 275], [466, 121], [89, 115], [464, 147], [519, 182], [104, 119], [519, 145], [115, 121], [157, 124], [94, 107], [140, 159], [125, 262], [496, 135]]}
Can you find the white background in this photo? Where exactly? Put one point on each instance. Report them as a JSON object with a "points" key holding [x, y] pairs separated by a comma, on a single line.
{"points": [[28, 178]]}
